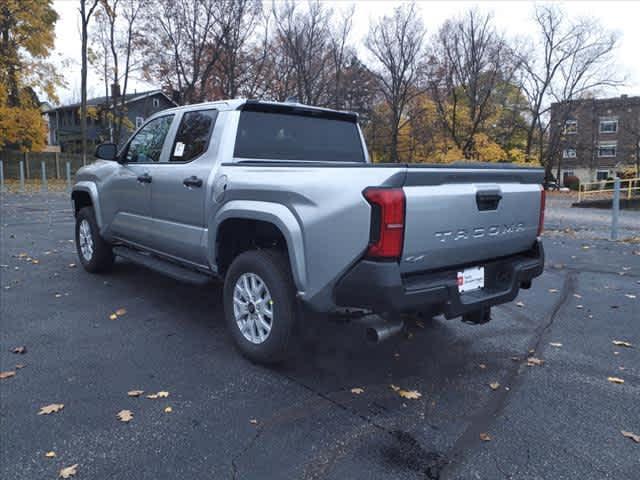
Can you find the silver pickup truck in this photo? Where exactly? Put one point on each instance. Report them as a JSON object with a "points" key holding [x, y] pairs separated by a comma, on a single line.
{"points": [[281, 201]]}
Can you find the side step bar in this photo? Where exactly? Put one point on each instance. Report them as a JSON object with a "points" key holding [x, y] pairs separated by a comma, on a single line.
{"points": [[165, 267]]}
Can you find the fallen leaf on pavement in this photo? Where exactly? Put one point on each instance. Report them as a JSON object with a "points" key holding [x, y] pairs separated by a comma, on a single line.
{"points": [[253, 421], [69, 471], [579, 306], [519, 304], [419, 324], [555, 344], [622, 343], [168, 410], [113, 316], [410, 394], [615, 380], [72, 265], [482, 366], [50, 454], [125, 415], [485, 437], [553, 290], [135, 393], [153, 396], [632, 436], [52, 408], [394, 388], [20, 350], [533, 361], [357, 390], [577, 295], [4, 375], [20, 365], [629, 295], [121, 311], [494, 385]]}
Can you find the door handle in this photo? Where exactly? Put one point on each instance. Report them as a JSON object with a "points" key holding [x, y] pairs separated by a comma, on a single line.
{"points": [[192, 181], [146, 178]]}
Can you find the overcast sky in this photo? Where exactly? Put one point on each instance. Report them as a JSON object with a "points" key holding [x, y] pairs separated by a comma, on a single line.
{"points": [[511, 17]]}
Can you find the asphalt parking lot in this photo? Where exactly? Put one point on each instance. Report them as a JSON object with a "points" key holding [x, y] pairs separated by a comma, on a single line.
{"points": [[556, 419]]}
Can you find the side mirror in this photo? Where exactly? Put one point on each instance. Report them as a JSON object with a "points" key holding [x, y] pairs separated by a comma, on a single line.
{"points": [[107, 151]]}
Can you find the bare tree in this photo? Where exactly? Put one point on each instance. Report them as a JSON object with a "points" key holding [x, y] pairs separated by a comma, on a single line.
{"points": [[302, 39], [86, 11], [396, 43], [567, 60], [470, 62], [183, 45]]}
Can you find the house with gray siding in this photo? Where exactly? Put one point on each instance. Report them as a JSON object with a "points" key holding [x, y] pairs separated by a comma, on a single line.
{"points": [[64, 121]]}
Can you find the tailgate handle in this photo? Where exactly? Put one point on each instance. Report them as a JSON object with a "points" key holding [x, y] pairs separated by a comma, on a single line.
{"points": [[488, 199]]}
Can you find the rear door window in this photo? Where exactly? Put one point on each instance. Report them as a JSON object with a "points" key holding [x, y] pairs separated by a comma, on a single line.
{"points": [[287, 136], [192, 139]]}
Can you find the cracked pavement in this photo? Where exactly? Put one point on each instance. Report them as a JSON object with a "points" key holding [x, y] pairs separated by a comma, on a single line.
{"points": [[560, 420]]}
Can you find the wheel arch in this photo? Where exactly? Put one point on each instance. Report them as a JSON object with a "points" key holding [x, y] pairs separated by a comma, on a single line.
{"points": [[263, 217], [85, 194]]}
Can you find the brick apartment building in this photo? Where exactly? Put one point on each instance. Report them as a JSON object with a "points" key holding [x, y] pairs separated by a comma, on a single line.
{"points": [[596, 137]]}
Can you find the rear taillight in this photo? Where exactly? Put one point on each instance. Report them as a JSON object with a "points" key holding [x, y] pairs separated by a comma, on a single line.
{"points": [[543, 196], [387, 222]]}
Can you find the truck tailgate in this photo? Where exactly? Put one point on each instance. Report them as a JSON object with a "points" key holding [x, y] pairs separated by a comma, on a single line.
{"points": [[466, 216]]}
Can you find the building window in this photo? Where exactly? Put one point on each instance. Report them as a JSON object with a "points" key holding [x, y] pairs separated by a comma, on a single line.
{"points": [[139, 121], [608, 125], [569, 153], [156, 103], [602, 174], [571, 127], [607, 149]]}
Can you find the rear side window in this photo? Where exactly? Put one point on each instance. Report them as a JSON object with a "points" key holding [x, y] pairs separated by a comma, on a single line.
{"points": [[193, 135], [286, 136]]}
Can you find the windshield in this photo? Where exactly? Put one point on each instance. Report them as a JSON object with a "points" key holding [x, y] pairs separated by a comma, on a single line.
{"points": [[290, 136]]}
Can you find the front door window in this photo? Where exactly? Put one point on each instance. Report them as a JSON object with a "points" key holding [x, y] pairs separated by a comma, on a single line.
{"points": [[146, 146]]}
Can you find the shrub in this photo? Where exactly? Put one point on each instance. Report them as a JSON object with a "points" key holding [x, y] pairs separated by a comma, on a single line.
{"points": [[572, 182]]}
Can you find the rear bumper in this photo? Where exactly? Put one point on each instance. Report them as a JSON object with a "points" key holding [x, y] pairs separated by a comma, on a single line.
{"points": [[379, 286]]}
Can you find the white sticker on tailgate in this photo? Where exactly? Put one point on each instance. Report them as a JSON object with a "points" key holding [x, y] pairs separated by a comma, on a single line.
{"points": [[471, 279]]}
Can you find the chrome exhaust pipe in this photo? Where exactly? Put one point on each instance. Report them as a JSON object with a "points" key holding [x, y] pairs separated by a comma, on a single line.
{"points": [[382, 330]]}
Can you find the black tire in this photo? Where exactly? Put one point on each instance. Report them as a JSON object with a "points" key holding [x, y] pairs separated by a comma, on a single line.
{"points": [[101, 258], [273, 269]]}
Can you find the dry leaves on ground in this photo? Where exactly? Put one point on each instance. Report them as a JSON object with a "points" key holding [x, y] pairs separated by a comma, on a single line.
{"points": [[68, 472], [555, 344], [631, 435], [19, 350], [168, 410], [615, 380], [20, 365], [519, 304], [494, 385], [485, 437], [113, 316], [357, 390], [50, 454], [622, 343], [534, 362], [125, 415], [4, 375], [553, 290], [135, 393], [154, 396], [577, 295], [409, 394], [121, 311], [629, 295], [52, 408]]}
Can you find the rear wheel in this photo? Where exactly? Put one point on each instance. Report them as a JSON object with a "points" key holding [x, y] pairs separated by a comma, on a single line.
{"points": [[94, 252], [259, 304]]}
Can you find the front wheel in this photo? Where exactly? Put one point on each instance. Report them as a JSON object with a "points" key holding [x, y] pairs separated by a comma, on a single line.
{"points": [[94, 252], [260, 304]]}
